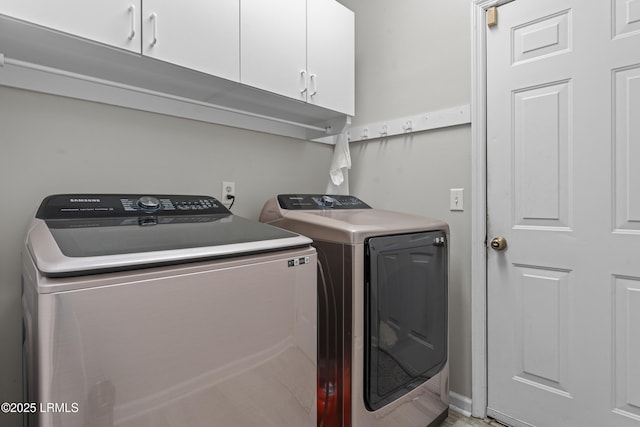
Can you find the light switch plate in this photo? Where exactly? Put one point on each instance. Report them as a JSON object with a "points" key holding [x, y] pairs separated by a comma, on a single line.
{"points": [[456, 199]]}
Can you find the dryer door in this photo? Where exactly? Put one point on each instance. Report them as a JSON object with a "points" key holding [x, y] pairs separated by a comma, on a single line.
{"points": [[405, 314]]}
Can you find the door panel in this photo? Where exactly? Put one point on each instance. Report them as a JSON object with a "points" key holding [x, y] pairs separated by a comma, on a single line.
{"points": [[563, 149], [626, 109], [626, 17], [540, 38], [540, 158], [541, 331], [627, 350]]}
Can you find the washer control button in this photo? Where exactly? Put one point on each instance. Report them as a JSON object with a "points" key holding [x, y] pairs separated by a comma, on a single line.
{"points": [[148, 203]]}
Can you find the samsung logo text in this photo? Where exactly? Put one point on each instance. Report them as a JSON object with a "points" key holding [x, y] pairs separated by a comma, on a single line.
{"points": [[84, 200]]}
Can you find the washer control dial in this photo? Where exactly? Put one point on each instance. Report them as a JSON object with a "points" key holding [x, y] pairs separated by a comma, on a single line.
{"points": [[149, 203]]}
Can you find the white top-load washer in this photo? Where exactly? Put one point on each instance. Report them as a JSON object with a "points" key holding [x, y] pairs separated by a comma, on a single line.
{"points": [[166, 310], [382, 310]]}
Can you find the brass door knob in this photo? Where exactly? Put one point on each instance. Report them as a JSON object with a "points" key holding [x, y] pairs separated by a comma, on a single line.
{"points": [[499, 243]]}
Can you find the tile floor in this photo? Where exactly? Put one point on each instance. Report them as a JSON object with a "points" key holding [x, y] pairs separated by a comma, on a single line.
{"points": [[455, 419]]}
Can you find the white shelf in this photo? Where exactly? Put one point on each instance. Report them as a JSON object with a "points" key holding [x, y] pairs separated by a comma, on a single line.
{"points": [[48, 61]]}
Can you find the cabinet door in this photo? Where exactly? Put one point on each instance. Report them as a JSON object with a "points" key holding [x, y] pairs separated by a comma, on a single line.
{"points": [[112, 22], [201, 35], [273, 46], [331, 55]]}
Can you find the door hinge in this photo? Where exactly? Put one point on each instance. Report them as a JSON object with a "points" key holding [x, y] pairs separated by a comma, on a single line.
{"points": [[492, 16]]}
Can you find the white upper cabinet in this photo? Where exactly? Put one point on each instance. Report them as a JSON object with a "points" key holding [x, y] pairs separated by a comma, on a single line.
{"points": [[302, 50], [279, 66], [112, 22], [273, 47], [331, 55], [200, 35]]}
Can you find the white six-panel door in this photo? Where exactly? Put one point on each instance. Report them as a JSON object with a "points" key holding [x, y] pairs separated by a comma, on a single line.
{"points": [[563, 189]]}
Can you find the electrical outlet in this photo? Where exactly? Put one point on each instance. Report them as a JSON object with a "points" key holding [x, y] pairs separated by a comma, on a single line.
{"points": [[228, 192], [456, 199]]}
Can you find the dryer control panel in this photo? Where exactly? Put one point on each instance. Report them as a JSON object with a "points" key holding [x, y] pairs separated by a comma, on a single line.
{"points": [[320, 202], [79, 206]]}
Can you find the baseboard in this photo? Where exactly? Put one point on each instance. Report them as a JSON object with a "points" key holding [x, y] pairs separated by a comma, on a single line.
{"points": [[460, 403]]}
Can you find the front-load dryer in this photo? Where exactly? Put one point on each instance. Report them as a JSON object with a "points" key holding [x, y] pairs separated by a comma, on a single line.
{"points": [[166, 310], [382, 326]]}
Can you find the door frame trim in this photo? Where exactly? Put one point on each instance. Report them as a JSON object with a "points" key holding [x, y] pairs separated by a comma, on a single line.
{"points": [[479, 202]]}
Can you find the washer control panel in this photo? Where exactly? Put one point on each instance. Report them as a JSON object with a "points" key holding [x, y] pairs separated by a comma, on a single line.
{"points": [[320, 202], [78, 206]]}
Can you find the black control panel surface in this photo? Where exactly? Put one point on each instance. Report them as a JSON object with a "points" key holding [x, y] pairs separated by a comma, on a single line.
{"points": [[320, 202], [86, 206]]}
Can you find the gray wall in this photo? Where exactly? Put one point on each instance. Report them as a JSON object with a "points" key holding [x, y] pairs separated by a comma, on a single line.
{"points": [[413, 56], [50, 145]]}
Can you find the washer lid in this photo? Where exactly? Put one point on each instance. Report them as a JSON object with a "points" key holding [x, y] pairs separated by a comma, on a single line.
{"points": [[74, 235]]}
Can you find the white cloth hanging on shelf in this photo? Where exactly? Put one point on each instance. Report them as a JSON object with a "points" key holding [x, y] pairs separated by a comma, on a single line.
{"points": [[340, 165]]}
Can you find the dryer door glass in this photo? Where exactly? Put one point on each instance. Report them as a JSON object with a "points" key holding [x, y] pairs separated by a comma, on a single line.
{"points": [[405, 314]]}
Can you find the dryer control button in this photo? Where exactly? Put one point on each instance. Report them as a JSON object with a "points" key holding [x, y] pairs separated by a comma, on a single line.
{"points": [[148, 203]]}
